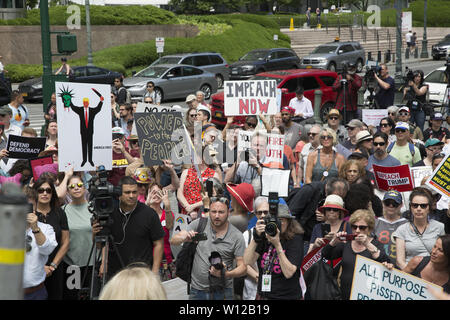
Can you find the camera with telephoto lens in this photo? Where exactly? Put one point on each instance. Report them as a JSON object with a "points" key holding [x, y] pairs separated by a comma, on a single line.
{"points": [[409, 75], [215, 260], [271, 221], [102, 196]]}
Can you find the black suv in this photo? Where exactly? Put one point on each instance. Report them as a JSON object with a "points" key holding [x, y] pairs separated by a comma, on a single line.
{"points": [[262, 60], [439, 50]]}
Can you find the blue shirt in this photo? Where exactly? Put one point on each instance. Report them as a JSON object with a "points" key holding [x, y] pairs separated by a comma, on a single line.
{"points": [[389, 161], [385, 98]]}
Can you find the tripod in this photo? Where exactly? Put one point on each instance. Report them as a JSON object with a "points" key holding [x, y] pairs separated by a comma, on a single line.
{"points": [[344, 95]]}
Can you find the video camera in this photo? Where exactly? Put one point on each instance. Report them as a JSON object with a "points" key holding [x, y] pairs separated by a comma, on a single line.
{"points": [[409, 75], [102, 196], [271, 221]]}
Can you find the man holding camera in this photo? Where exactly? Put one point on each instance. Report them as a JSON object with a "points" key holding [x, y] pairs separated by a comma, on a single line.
{"points": [[347, 85], [212, 270], [136, 230], [385, 95]]}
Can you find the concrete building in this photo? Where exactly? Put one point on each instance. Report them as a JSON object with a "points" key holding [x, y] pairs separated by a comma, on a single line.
{"points": [[12, 9]]}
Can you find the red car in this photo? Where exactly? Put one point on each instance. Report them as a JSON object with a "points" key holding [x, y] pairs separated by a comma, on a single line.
{"points": [[288, 81]]}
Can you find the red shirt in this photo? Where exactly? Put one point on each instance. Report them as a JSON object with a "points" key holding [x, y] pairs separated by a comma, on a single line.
{"points": [[351, 93]]}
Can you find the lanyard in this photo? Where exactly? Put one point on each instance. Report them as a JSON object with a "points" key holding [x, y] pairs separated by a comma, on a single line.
{"points": [[268, 262]]}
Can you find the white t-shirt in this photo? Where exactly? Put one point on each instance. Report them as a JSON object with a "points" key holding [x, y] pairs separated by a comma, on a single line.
{"points": [[302, 106], [408, 37]]}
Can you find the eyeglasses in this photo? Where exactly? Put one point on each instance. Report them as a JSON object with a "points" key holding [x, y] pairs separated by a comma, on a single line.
{"points": [[400, 130], [42, 190], [79, 185], [220, 199], [266, 212], [252, 125], [391, 203], [325, 138], [333, 118], [312, 134], [350, 128], [332, 209], [422, 205], [362, 228], [384, 125], [376, 144], [28, 240]]}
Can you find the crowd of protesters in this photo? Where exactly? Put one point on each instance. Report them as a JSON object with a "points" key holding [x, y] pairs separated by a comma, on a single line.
{"points": [[332, 193]]}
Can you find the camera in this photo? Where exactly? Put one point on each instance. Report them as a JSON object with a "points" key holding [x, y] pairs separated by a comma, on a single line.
{"points": [[271, 221], [215, 260], [102, 196], [409, 75], [348, 237]]}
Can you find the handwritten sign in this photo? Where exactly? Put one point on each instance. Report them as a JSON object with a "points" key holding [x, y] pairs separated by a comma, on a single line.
{"points": [[148, 107], [372, 117], [440, 178], [39, 162], [155, 135], [25, 147], [242, 98], [393, 178], [418, 173], [373, 281], [275, 149], [244, 140]]}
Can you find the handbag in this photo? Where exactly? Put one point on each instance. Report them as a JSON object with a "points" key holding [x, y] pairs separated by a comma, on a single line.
{"points": [[320, 282]]}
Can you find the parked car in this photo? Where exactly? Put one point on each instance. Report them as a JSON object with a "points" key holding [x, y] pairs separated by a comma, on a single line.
{"points": [[288, 81], [5, 92], [437, 82], [332, 55], [209, 61], [439, 50], [32, 88], [262, 60], [172, 81]]}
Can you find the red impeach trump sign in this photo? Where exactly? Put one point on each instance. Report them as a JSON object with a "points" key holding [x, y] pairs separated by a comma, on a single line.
{"points": [[251, 97], [393, 178]]}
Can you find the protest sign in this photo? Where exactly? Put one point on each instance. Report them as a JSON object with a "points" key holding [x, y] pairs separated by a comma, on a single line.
{"points": [[418, 173], [148, 107], [39, 162], [155, 135], [440, 178], [275, 149], [244, 140], [393, 178], [373, 281], [84, 119], [275, 180], [242, 98], [372, 117], [24, 147]]}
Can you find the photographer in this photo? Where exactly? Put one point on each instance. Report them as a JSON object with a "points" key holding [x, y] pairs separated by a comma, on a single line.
{"points": [[212, 272], [347, 85], [414, 94], [136, 230], [278, 257], [385, 95]]}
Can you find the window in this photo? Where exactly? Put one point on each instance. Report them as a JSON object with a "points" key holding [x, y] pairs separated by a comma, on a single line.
{"points": [[95, 71], [436, 76], [176, 72], [201, 61], [190, 71], [309, 83], [347, 48], [79, 72], [329, 81], [357, 46], [291, 85], [215, 59], [188, 60], [283, 54], [275, 55]]}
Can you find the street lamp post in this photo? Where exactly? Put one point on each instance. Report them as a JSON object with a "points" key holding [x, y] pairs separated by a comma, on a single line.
{"points": [[398, 51], [424, 53], [88, 29]]}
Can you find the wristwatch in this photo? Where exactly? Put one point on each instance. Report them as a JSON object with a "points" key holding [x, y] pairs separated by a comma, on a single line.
{"points": [[54, 265], [37, 230]]}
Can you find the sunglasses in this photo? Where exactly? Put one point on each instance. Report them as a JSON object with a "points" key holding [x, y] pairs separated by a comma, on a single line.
{"points": [[251, 125], [400, 130], [333, 118], [391, 113], [325, 138], [362, 228], [391, 203], [422, 205], [79, 185], [332, 209], [312, 134], [350, 128], [220, 199], [28, 243], [384, 125], [266, 212], [379, 144], [193, 115], [42, 190]]}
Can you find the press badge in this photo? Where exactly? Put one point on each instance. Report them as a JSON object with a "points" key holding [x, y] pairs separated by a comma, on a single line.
{"points": [[266, 283]]}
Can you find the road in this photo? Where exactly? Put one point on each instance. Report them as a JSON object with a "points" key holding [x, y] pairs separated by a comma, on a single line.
{"points": [[37, 114]]}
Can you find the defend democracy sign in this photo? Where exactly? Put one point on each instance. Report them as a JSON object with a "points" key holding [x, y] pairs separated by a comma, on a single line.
{"points": [[25, 147], [373, 281], [242, 98], [393, 178], [440, 179]]}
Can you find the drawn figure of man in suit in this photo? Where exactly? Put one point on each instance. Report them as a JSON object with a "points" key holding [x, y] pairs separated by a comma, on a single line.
{"points": [[87, 116]]}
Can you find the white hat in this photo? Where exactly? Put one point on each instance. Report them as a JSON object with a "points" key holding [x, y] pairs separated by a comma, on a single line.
{"points": [[118, 130], [190, 98], [363, 135], [405, 108]]}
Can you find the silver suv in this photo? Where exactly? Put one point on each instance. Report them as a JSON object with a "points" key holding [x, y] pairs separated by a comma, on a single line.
{"points": [[332, 55], [209, 61]]}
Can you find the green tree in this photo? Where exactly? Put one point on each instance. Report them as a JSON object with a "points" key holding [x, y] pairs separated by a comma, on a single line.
{"points": [[203, 6], [31, 4], [360, 4]]}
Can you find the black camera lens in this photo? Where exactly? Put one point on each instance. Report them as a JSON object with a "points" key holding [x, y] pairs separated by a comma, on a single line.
{"points": [[271, 229], [215, 260]]}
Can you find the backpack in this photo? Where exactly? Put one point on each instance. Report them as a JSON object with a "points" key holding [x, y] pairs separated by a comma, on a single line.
{"points": [[411, 148], [128, 98], [185, 258]]}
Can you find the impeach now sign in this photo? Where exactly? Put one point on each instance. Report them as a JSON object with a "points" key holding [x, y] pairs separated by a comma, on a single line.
{"points": [[251, 97], [373, 281]]}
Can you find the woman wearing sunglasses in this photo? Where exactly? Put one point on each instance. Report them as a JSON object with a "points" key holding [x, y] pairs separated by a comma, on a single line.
{"points": [[362, 224], [417, 237], [191, 117], [387, 126], [324, 163], [79, 222], [48, 211]]}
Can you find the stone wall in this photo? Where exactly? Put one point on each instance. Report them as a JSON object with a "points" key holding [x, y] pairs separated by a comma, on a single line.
{"points": [[22, 44]]}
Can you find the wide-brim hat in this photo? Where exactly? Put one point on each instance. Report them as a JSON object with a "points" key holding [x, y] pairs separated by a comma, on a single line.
{"points": [[334, 201], [243, 193], [363, 136], [284, 212]]}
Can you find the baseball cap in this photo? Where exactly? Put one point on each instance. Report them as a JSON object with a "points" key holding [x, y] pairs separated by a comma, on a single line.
{"points": [[402, 125], [437, 116], [393, 195], [288, 109], [433, 142], [404, 108], [354, 123], [363, 135], [190, 98], [118, 130]]}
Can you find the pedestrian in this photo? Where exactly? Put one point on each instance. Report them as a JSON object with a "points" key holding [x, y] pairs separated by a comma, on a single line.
{"points": [[408, 36], [347, 87], [318, 16], [2, 70], [155, 96], [308, 17], [65, 68], [413, 42], [20, 114]]}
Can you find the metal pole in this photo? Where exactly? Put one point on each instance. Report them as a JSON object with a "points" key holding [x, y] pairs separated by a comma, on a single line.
{"points": [[424, 53], [398, 52], [88, 29], [13, 210], [317, 105], [47, 89]]}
